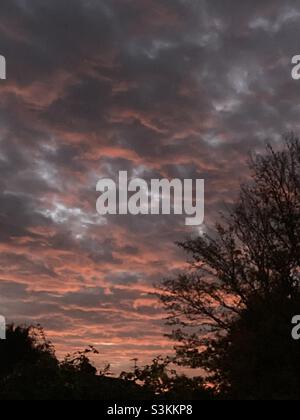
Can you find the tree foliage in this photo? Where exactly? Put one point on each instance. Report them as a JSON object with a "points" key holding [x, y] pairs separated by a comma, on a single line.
{"points": [[162, 380], [231, 311], [29, 370]]}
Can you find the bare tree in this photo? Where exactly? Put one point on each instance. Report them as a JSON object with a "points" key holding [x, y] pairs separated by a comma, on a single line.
{"points": [[248, 264]]}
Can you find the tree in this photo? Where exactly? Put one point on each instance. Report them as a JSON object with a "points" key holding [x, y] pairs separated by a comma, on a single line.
{"points": [[29, 370], [161, 380], [28, 366], [232, 310]]}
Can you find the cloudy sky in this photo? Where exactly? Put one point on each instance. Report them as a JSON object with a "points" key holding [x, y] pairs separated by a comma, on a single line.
{"points": [[159, 88]]}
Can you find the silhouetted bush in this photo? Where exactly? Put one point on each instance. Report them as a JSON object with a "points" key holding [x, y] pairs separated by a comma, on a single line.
{"points": [[161, 380], [29, 370]]}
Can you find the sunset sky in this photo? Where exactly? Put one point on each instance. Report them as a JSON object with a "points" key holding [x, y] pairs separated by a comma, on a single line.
{"points": [[158, 88]]}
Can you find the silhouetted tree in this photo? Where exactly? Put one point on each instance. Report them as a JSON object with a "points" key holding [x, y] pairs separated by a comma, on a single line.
{"points": [[162, 381], [28, 366], [29, 370], [80, 362], [232, 310]]}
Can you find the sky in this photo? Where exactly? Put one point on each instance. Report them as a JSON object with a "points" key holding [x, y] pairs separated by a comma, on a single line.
{"points": [[158, 88]]}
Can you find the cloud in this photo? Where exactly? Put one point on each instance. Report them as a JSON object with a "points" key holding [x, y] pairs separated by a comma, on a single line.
{"points": [[164, 88]]}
